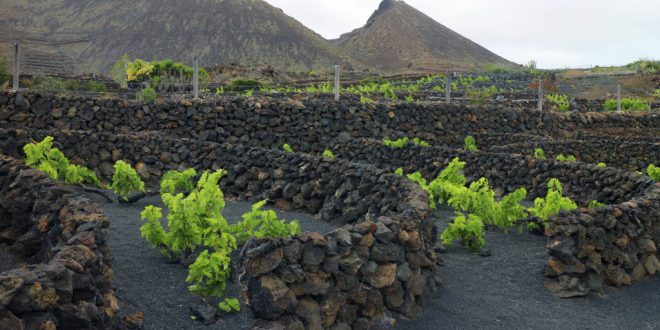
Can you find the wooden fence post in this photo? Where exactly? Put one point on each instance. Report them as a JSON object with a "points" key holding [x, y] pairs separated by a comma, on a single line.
{"points": [[618, 97], [196, 77], [448, 88], [337, 87], [17, 67]]}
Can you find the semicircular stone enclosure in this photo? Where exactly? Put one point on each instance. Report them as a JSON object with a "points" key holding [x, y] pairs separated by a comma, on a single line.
{"points": [[380, 263]]}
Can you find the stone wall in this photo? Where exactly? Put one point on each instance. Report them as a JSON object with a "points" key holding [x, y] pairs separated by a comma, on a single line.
{"points": [[306, 124], [380, 264], [629, 153], [60, 239], [615, 245]]}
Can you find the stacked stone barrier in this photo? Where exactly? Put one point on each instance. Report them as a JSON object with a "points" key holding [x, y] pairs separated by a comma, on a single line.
{"points": [[60, 239], [307, 123]]}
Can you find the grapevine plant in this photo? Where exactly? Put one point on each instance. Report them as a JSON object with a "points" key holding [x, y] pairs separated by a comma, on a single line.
{"points": [[44, 157], [553, 202], [474, 205], [539, 154], [569, 158], [195, 222], [470, 144], [328, 154], [653, 172], [405, 142], [125, 180]]}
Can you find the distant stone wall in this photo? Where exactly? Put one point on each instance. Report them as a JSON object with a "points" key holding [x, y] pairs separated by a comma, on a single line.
{"points": [[307, 124], [61, 239], [629, 153]]}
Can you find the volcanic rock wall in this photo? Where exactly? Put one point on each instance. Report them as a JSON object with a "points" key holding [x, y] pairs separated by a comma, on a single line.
{"points": [[61, 241]]}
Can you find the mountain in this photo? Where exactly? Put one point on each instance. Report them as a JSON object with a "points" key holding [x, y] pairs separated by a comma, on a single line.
{"points": [[398, 37], [90, 35]]}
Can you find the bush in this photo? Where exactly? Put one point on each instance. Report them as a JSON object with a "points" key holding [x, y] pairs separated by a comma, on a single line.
{"points": [[559, 102], [539, 154], [470, 144], [627, 104], [146, 95], [4, 71], [242, 85]]}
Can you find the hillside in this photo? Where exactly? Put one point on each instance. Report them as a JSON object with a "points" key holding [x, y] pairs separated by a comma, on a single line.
{"points": [[398, 37], [89, 35]]}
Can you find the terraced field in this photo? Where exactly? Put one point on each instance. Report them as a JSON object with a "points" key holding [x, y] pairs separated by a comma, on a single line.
{"points": [[370, 254]]}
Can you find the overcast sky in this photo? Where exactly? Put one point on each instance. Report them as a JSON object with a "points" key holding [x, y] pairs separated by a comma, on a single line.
{"points": [[556, 33]]}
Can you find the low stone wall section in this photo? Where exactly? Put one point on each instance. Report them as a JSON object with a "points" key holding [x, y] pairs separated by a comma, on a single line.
{"points": [[307, 123], [60, 239]]}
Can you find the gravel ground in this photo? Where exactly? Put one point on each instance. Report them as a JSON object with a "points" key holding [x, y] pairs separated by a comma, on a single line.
{"points": [[146, 281], [502, 291]]}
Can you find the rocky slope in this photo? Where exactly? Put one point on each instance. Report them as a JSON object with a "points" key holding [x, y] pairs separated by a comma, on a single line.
{"points": [[398, 37]]}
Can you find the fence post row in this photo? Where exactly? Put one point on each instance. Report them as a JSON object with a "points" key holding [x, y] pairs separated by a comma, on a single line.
{"points": [[17, 67], [337, 87], [196, 77], [448, 88], [618, 97], [540, 94]]}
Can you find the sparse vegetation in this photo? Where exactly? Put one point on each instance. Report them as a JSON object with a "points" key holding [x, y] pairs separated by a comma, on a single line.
{"points": [[627, 104], [470, 144], [287, 148], [5, 76], [559, 102], [146, 95], [539, 154], [328, 154], [569, 158], [653, 172]]}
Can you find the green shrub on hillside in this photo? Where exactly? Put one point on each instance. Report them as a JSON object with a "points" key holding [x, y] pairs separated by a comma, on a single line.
{"points": [[146, 95], [559, 102], [4, 71], [627, 104], [243, 85]]}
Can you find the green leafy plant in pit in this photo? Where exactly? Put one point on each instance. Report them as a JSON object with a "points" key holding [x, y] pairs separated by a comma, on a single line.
{"points": [[262, 223], [147, 94], [469, 229], [653, 172], [656, 94], [125, 180], [627, 104], [287, 148], [418, 142], [397, 144], [409, 98], [539, 154], [328, 154], [42, 156], [553, 202], [219, 91], [470, 145], [365, 99], [175, 182], [559, 102], [249, 93], [230, 305], [404, 142], [399, 171], [195, 222], [594, 204], [480, 95], [601, 165], [452, 174], [569, 158]]}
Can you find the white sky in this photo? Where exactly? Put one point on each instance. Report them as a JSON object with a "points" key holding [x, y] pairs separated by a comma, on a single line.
{"points": [[556, 33]]}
